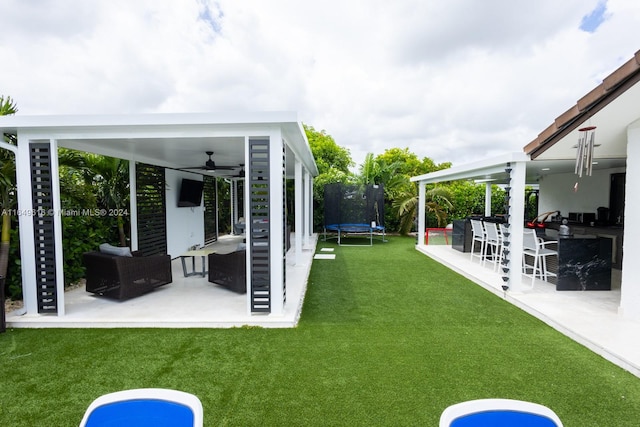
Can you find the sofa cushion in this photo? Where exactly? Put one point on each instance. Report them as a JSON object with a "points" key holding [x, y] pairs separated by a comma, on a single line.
{"points": [[108, 249]]}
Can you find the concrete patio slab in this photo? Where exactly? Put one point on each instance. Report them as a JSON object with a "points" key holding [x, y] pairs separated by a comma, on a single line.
{"points": [[188, 302]]}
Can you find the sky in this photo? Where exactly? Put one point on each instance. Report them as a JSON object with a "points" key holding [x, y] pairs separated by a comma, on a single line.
{"points": [[454, 80]]}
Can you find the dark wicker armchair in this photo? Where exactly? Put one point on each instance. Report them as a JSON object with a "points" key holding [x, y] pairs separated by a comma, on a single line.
{"points": [[229, 270], [124, 277]]}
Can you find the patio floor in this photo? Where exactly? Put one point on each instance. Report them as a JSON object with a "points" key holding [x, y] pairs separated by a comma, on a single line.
{"points": [[588, 317], [188, 302]]}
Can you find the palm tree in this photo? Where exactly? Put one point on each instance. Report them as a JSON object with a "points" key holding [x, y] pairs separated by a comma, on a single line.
{"points": [[7, 106], [377, 171], [369, 170], [7, 186], [436, 199], [110, 178]]}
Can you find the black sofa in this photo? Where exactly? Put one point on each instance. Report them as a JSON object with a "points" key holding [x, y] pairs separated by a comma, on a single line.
{"points": [[124, 277]]}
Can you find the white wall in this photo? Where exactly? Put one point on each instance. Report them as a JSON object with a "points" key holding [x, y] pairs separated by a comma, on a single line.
{"points": [[630, 296], [557, 192], [185, 226]]}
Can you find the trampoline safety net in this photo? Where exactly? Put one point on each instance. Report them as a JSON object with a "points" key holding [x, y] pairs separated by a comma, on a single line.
{"points": [[353, 204]]}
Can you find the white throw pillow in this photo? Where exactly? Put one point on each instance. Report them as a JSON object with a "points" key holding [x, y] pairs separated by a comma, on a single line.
{"points": [[108, 249]]}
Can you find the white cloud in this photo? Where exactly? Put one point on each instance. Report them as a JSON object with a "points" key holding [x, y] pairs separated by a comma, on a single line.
{"points": [[454, 81]]}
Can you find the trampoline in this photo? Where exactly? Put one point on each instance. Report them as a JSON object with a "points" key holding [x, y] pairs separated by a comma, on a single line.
{"points": [[346, 230], [353, 210]]}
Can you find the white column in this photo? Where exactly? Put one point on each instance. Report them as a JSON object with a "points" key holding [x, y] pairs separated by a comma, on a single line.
{"points": [[25, 204], [516, 225], [299, 211], [247, 219], [307, 207], [276, 218], [487, 199], [218, 213], [234, 204], [630, 286], [422, 196], [133, 204], [232, 195], [57, 226], [310, 206]]}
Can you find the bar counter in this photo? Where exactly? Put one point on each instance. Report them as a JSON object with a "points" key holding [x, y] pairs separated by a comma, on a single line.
{"points": [[583, 262]]}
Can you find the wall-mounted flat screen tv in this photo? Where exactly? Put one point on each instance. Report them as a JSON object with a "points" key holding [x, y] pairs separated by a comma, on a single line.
{"points": [[190, 193]]}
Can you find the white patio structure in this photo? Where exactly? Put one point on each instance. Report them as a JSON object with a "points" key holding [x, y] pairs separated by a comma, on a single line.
{"points": [[606, 321], [271, 146]]}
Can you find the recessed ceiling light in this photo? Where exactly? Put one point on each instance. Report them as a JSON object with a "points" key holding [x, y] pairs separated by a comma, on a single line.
{"points": [[546, 169]]}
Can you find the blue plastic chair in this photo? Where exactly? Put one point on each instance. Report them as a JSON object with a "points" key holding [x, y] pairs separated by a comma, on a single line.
{"points": [[498, 413], [144, 407]]}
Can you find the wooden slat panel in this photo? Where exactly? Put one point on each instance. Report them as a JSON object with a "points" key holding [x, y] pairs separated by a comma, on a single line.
{"points": [[151, 207], [210, 196]]}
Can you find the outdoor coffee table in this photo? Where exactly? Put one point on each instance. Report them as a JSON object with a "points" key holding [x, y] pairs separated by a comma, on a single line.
{"points": [[193, 254]]}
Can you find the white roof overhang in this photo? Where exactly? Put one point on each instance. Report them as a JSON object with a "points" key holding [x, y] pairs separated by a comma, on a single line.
{"points": [[169, 140], [487, 170]]}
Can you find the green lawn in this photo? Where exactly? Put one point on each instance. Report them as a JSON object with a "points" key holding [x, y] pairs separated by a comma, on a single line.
{"points": [[387, 337]]}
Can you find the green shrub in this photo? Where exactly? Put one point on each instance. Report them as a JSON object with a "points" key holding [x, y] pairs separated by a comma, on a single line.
{"points": [[82, 234], [13, 284]]}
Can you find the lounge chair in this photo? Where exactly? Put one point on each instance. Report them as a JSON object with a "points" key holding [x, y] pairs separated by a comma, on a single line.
{"points": [[229, 270], [145, 407], [498, 413]]}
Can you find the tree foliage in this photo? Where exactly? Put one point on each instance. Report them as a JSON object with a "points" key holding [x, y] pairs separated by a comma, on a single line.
{"points": [[333, 164], [394, 169], [327, 153], [468, 199], [408, 163], [7, 106], [437, 203], [77, 195], [7, 186], [108, 176]]}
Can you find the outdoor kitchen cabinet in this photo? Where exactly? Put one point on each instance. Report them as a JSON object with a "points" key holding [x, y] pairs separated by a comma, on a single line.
{"points": [[461, 235]]}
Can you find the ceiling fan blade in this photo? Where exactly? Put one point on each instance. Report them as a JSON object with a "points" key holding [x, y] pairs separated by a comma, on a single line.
{"points": [[211, 166]]}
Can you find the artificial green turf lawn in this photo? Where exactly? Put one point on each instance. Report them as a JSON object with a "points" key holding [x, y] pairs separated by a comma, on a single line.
{"points": [[387, 337]]}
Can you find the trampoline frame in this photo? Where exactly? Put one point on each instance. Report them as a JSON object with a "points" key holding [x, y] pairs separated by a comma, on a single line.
{"points": [[345, 230]]}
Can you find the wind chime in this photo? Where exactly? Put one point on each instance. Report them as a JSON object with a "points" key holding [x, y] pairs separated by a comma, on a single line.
{"points": [[584, 155]]}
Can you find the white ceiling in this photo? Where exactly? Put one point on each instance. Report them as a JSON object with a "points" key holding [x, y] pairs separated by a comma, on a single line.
{"points": [[174, 152]]}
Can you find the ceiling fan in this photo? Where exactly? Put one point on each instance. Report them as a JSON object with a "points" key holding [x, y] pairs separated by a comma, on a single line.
{"points": [[210, 165], [240, 173]]}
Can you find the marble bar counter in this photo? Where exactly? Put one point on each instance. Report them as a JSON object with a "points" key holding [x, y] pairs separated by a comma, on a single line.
{"points": [[583, 263]]}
